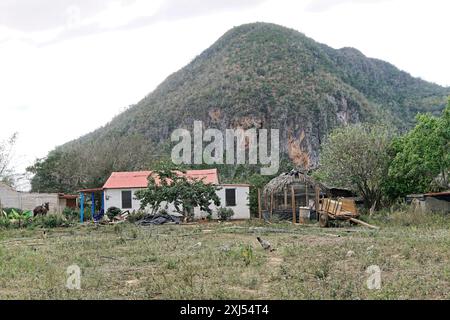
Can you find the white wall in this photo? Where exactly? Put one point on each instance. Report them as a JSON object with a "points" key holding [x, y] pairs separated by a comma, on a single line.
{"points": [[27, 201], [113, 198], [242, 208]]}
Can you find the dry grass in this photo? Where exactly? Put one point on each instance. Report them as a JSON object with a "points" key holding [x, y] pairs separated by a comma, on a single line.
{"points": [[166, 262]]}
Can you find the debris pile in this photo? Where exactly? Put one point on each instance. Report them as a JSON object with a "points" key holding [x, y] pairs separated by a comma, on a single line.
{"points": [[103, 218], [158, 219]]}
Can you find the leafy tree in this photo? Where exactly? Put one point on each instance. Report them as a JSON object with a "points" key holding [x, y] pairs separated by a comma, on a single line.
{"points": [[420, 156], [6, 150], [50, 175], [357, 157], [170, 185]]}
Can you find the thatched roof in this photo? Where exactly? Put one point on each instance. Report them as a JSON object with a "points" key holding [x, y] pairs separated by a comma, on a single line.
{"points": [[288, 178]]}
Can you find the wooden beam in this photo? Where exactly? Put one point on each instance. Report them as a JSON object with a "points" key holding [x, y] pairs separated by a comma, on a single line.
{"points": [[294, 219], [364, 223], [259, 204]]}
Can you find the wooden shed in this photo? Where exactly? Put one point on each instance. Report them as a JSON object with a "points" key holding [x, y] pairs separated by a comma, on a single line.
{"points": [[286, 194]]}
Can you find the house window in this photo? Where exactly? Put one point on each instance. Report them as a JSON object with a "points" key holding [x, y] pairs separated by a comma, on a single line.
{"points": [[126, 200], [230, 197]]}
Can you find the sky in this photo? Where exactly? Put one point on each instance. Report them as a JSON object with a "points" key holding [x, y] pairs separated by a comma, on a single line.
{"points": [[68, 67]]}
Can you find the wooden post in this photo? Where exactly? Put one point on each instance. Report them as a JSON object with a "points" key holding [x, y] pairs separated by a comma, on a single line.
{"points": [[271, 205], [316, 198], [294, 219], [285, 198], [266, 207], [306, 195], [259, 204]]}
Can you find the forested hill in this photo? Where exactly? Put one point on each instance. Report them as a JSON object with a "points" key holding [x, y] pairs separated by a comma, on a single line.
{"points": [[256, 75]]}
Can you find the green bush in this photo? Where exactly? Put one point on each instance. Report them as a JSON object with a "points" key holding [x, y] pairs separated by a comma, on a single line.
{"points": [[112, 212], [135, 216], [51, 221], [71, 214], [11, 210], [47, 221], [246, 253], [225, 213], [4, 223]]}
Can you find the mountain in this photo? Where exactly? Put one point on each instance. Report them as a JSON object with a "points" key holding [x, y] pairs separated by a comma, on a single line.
{"points": [[256, 75]]}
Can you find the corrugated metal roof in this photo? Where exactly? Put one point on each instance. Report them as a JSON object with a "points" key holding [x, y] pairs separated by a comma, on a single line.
{"points": [[138, 179]]}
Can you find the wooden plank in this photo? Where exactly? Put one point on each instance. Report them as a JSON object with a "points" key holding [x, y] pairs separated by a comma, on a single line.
{"points": [[349, 205], [294, 220], [364, 223]]}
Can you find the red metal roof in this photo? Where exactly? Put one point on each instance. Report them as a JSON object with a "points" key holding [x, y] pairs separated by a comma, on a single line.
{"points": [[138, 179], [90, 190]]}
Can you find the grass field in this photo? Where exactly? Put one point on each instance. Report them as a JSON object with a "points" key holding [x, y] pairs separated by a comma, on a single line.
{"points": [[224, 260]]}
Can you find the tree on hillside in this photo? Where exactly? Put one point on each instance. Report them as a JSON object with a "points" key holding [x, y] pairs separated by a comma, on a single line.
{"points": [[170, 185], [6, 150], [421, 157], [357, 157]]}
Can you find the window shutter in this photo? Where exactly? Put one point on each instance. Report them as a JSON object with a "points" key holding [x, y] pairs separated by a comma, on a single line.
{"points": [[230, 197], [126, 200]]}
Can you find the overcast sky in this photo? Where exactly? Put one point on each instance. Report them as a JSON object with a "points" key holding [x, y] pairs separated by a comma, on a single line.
{"points": [[68, 66]]}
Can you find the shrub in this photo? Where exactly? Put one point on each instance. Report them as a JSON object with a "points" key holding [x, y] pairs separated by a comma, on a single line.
{"points": [[4, 223], [47, 221], [112, 212], [136, 216], [246, 252], [225, 213], [11, 210], [51, 221], [71, 214]]}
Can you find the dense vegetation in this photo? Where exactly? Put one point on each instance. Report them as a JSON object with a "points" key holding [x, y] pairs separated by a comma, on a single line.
{"points": [[421, 158], [357, 157], [378, 165], [255, 76]]}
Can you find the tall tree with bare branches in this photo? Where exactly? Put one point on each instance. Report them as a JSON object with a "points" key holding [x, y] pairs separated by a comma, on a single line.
{"points": [[6, 152]]}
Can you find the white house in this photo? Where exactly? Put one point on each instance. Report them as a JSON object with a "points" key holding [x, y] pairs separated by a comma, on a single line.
{"points": [[119, 191]]}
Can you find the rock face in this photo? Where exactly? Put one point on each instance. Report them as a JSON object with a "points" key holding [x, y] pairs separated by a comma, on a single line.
{"points": [[267, 76]]}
